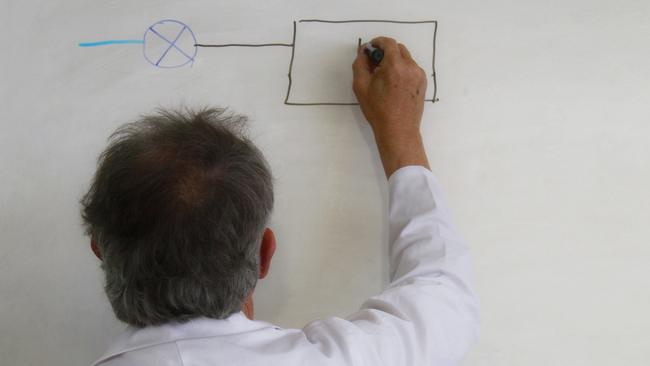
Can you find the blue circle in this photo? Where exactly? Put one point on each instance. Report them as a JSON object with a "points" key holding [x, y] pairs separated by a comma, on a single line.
{"points": [[162, 59]]}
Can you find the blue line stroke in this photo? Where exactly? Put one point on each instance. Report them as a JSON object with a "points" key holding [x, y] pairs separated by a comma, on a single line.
{"points": [[113, 41]]}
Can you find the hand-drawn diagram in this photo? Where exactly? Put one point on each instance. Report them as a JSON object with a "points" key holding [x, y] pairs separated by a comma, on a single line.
{"points": [[171, 44], [157, 46]]}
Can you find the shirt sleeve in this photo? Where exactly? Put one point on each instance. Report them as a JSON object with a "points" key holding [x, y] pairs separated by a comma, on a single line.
{"points": [[429, 313]]}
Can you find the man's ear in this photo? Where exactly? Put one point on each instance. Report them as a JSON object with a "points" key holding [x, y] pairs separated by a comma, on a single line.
{"points": [[267, 249], [93, 246]]}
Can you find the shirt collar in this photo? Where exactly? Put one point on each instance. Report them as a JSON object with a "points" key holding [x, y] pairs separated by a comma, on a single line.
{"points": [[133, 338]]}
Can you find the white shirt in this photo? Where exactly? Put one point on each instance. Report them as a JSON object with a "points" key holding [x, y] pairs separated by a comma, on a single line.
{"points": [[428, 314]]}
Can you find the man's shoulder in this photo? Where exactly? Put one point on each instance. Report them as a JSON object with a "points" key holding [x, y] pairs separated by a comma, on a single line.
{"points": [[209, 342]]}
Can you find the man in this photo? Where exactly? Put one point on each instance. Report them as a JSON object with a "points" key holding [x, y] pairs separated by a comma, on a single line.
{"points": [[177, 213]]}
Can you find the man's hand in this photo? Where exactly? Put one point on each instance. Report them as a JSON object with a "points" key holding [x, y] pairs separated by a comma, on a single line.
{"points": [[391, 96]]}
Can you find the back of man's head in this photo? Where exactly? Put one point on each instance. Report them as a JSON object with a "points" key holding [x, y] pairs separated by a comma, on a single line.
{"points": [[177, 208]]}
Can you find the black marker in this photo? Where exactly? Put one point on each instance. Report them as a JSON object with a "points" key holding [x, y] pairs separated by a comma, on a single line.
{"points": [[375, 54]]}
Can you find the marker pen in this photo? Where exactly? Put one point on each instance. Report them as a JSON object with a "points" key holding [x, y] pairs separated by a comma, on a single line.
{"points": [[375, 53]]}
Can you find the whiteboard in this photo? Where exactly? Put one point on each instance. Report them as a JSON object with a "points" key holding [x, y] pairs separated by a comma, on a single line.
{"points": [[539, 138]]}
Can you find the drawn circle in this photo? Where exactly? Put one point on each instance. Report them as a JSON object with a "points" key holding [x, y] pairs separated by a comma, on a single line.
{"points": [[169, 44]]}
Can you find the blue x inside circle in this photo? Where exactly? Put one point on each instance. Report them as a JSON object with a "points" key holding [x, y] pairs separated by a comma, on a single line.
{"points": [[162, 50]]}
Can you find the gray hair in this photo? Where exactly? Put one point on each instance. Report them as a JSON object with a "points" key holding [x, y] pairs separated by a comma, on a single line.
{"points": [[178, 207]]}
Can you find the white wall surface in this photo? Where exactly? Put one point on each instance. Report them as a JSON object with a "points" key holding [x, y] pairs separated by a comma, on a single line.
{"points": [[541, 140]]}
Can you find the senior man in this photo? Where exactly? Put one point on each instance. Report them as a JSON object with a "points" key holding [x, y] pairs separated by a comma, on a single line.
{"points": [[177, 213]]}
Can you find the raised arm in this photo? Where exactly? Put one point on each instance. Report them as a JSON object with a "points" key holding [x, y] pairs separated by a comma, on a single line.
{"points": [[428, 314], [391, 96]]}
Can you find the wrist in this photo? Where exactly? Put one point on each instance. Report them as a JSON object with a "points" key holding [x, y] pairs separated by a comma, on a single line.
{"points": [[397, 140], [402, 128], [401, 150]]}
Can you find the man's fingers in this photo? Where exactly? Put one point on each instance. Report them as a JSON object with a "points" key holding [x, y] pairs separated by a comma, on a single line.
{"points": [[361, 71], [361, 65], [389, 46], [404, 52]]}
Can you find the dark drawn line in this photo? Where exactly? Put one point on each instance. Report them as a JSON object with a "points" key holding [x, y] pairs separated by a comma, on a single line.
{"points": [[293, 50], [433, 62], [367, 21], [332, 103], [433, 66], [245, 45], [323, 103]]}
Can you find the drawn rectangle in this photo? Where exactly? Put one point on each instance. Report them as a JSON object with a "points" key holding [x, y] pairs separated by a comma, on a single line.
{"points": [[320, 72]]}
